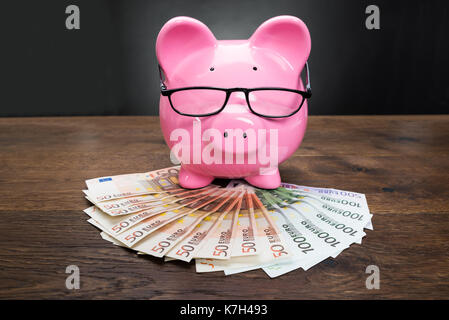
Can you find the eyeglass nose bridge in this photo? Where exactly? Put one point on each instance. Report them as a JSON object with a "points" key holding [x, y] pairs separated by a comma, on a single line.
{"points": [[238, 89]]}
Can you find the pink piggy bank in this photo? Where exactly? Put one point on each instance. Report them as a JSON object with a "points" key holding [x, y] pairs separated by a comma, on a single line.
{"points": [[233, 108]]}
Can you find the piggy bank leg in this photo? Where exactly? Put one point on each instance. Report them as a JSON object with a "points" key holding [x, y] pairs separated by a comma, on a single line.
{"points": [[268, 180], [192, 180]]}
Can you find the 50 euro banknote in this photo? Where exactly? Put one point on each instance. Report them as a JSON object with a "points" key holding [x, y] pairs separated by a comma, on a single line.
{"points": [[169, 206], [272, 245], [203, 235], [126, 185], [134, 204], [140, 236]]}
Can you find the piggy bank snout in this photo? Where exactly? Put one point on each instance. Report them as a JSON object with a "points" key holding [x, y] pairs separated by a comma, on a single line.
{"points": [[241, 127]]}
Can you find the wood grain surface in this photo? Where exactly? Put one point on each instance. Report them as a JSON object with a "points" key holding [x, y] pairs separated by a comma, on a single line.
{"points": [[401, 163]]}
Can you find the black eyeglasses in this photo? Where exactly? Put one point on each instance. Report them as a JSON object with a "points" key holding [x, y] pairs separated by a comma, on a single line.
{"points": [[270, 102]]}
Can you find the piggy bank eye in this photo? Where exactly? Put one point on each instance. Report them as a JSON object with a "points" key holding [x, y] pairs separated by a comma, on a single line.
{"points": [[255, 68], [212, 69]]}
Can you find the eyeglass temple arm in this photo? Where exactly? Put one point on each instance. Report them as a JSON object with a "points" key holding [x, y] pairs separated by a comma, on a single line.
{"points": [[308, 86], [161, 78]]}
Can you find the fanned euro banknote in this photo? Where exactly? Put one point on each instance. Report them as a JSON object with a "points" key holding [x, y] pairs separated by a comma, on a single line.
{"points": [[231, 229]]}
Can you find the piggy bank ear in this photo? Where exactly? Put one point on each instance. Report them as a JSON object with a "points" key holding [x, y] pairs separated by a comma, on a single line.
{"points": [[179, 38], [286, 35]]}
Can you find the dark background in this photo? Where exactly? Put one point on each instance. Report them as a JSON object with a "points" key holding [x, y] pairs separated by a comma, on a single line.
{"points": [[108, 67]]}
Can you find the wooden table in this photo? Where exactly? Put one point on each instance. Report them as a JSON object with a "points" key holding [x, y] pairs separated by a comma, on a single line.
{"points": [[401, 163]]}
